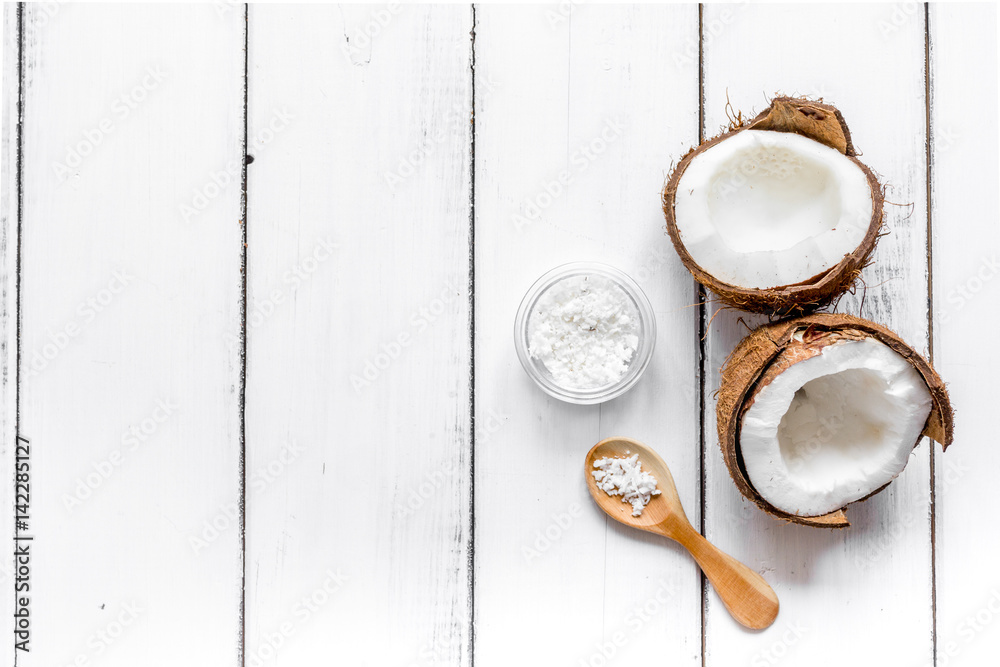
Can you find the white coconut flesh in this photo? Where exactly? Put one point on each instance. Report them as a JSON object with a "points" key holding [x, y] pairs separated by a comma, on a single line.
{"points": [[766, 209], [833, 428]]}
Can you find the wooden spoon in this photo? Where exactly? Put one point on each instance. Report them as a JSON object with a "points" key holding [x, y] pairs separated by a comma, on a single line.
{"points": [[744, 592]]}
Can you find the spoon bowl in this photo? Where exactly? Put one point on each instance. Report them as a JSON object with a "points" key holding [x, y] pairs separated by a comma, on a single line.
{"points": [[749, 598], [659, 507]]}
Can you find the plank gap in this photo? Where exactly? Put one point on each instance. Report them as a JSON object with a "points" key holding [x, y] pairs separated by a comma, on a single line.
{"points": [[702, 333], [928, 138], [244, 265], [19, 177], [472, 344]]}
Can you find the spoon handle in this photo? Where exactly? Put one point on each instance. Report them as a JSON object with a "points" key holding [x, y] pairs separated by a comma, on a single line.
{"points": [[746, 595]]}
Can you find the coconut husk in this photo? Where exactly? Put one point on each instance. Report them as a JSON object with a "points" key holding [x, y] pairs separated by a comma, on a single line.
{"points": [[822, 123], [769, 350], [816, 120]]}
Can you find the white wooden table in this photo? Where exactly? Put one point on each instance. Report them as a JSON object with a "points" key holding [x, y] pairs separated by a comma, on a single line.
{"points": [[275, 414]]}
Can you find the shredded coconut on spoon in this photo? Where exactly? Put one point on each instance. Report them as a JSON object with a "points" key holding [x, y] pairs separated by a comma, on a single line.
{"points": [[624, 477]]}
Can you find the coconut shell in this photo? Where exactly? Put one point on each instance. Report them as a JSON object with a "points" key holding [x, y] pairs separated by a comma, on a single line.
{"points": [[769, 350], [822, 123]]}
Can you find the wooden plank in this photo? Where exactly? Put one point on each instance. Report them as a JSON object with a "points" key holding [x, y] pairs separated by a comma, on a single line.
{"points": [[872, 582], [129, 393], [9, 60], [966, 244], [358, 378], [601, 98]]}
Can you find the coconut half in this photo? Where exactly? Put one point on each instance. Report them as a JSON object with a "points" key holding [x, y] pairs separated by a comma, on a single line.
{"points": [[777, 215], [821, 411]]}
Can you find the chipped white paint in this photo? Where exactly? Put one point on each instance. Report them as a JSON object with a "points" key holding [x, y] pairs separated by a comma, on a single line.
{"points": [[966, 270], [129, 393], [8, 315], [576, 127], [872, 582], [359, 348]]}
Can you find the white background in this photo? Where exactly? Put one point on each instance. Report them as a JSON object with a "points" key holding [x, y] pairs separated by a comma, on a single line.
{"points": [[411, 498]]}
